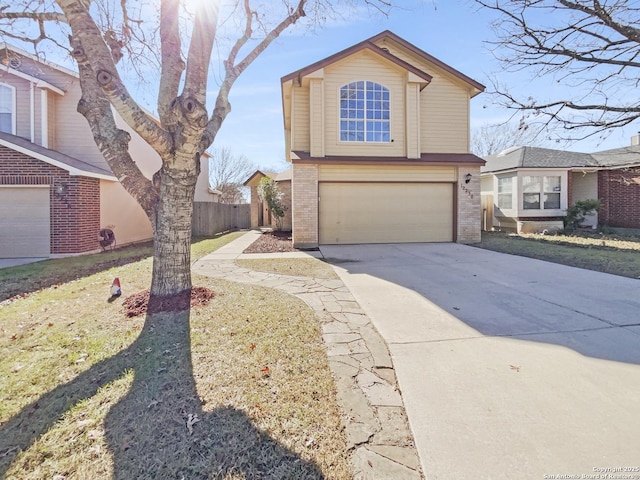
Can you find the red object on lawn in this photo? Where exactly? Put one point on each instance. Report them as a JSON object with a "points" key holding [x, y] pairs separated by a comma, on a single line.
{"points": [[115, 288]]}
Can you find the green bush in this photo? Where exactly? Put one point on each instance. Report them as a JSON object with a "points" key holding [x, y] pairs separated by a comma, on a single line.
{"points": [[578, 212], [269, 192]]}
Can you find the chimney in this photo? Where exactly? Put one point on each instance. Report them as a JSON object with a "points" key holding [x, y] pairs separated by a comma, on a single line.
{"points": [[635, 140]]}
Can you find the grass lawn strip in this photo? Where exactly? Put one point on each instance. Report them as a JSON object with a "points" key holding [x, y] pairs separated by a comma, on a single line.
{"points": [[264, 393], [301, 267], [608, 255]]}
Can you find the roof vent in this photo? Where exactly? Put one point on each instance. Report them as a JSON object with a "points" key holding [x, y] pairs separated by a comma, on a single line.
{"points": [[507, 151], [385, 49], [13, 62]]}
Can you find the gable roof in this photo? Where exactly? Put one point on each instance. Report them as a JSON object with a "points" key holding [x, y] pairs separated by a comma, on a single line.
{"points": [[52, 157], [359, 47], [369, 44], [387, 34]]}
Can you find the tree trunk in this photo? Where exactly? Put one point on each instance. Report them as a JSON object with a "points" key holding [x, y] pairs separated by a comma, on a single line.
{"points": [[172, 234]]}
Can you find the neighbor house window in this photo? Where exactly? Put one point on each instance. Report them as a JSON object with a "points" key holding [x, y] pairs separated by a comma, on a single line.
{"points": [[541, 193], [364, 112], [7, 109], [505, 193]]}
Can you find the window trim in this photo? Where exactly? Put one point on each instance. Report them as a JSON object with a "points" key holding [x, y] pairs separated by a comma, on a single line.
{"points": [[543, 212], [364, 119], [13, 106]]}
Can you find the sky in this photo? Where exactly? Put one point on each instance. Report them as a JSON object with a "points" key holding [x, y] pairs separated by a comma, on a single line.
{"points": [[454, 31]]}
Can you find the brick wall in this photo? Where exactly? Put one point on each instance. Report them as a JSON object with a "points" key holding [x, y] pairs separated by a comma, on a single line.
{"points": [[619, 192], [74, 216], [468, 200], [285, 188], [305, 198]]}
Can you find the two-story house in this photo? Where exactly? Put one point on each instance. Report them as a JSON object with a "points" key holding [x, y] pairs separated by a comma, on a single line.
{"points": [[56, 190], [378, 139]]}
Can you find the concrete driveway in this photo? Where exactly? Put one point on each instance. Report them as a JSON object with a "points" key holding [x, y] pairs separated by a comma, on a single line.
{"points": [[509, 367]]}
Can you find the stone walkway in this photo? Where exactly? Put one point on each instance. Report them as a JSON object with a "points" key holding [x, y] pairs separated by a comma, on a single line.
{"points": [[373, 414]]}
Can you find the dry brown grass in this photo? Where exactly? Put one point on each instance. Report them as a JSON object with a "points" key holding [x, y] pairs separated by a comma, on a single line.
{"points": [[618, 256], [88, 393], [302, 267]]}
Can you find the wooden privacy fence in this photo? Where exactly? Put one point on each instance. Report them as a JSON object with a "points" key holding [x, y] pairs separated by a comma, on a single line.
{"points": [[211, 218]]}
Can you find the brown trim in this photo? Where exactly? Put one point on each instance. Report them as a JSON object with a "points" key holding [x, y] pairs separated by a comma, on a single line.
{"points": [[455, 192], [364, 45], [255, 174], [433, 159]]}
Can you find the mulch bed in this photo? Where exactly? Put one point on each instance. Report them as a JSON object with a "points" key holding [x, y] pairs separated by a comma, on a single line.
{"points": [[138, 303], [272, 242]]}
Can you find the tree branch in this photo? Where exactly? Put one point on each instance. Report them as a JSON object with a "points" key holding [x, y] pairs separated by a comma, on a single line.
{"points": [[86, 32], [232, 71], [171, 57]]}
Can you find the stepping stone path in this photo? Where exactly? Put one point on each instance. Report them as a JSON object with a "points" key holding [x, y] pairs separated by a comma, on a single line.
{"points": [[373, 414]]}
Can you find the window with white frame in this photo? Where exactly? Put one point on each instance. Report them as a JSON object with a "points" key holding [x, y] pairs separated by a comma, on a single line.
{"points": [[541, 193], [505, 192], [364, 112], [7, 107]]}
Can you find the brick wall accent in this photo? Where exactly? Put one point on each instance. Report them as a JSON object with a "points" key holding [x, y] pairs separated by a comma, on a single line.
{"points": [[619, 192], [305, 198], [75, 216], [468, 204], [285, 188]]}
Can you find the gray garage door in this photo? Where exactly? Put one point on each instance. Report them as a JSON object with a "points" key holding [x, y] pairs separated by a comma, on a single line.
{"points": [[24, 222]]}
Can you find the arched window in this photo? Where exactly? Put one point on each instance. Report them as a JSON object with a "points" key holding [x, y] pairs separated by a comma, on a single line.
{"points": [[364, 112], [7, 109]]}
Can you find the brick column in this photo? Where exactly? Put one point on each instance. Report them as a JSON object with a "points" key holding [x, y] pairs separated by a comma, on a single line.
{"points": [[469, 209], [305, 206], [255, 207]]}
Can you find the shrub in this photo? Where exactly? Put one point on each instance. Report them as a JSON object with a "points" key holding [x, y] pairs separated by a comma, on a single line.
{"points": [[578, 212], [269, 192]]}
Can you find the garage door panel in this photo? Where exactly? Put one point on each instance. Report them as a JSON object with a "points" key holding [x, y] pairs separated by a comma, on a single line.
{"points": [[385, 212], [24, 217]]}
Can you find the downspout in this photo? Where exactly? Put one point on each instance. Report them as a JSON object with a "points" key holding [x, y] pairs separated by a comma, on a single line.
{"points": [[33, 111]]}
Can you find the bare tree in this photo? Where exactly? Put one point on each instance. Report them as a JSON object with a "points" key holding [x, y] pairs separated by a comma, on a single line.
{"points": [[102, 33], [592, 47], [227, 173], [491, 139]]}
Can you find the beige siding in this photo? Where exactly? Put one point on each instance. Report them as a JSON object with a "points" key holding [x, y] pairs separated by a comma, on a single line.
{"points": [[385, 212], [317, 121], [413, 120], [300, 119], [386, 173], [584, 187], [120, 212], [444, 106], [364, 66], [444, 117]]}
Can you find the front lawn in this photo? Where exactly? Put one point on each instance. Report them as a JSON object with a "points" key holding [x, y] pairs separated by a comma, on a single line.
{"points": [[239, 388], [603, 253]]}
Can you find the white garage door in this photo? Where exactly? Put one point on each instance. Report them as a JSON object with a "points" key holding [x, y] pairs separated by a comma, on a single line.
{"points": [[385, 212], [24, 222]]}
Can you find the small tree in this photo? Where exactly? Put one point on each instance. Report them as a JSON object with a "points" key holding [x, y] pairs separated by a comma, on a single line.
{"points": [[578, 212], [269, 192]]}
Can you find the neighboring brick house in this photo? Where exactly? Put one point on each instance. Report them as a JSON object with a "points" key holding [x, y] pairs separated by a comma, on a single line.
{"points": [[56, 189], [528, 189], [378, 138]]}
